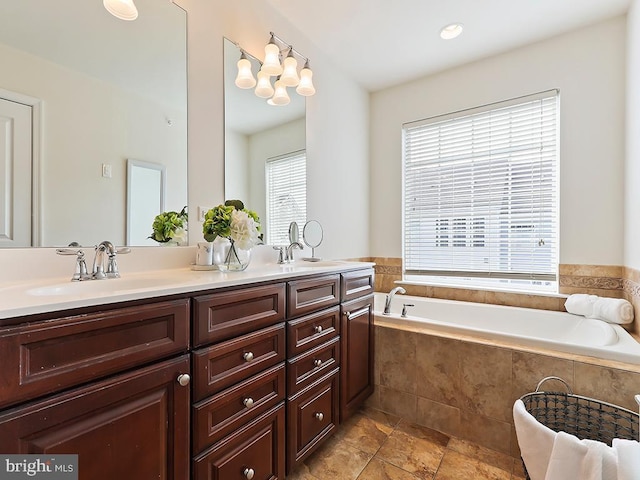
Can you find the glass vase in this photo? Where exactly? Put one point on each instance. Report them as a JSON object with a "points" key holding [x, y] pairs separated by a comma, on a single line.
{"points": [[229, 257]]}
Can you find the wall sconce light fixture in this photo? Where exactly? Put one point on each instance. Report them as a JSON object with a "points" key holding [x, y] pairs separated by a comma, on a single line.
{"points": [[286, 72], [122, 9]]}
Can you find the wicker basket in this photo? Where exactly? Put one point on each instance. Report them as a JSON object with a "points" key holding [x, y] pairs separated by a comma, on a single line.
{"points": [[583, 417]]}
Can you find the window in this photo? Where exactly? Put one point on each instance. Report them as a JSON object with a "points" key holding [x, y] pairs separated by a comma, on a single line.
{"points": [[480, 195], [286, 195]]}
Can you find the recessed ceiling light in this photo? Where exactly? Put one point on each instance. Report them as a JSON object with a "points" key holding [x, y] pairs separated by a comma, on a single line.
{"points": [[451, 31]]}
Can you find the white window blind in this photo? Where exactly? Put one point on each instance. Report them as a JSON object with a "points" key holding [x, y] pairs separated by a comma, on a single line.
{"points": [[286, 195], [480, 192]]}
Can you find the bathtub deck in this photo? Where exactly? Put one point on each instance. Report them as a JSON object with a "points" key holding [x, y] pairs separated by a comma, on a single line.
{"points": [[374, 445]]}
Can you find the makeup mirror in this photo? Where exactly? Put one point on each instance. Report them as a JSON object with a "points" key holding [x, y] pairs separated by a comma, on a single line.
{"points": [[312, 236]]}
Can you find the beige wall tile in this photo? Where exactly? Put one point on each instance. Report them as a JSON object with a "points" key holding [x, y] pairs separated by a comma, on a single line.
{"points": [[521, 300], [485, 377], [398, 403], [438, 416], [632, 274], [460, 294], [611, 385], [591, 270], [438, 369], [613, 293], [485, 431], [530, 368], [396, 351]]}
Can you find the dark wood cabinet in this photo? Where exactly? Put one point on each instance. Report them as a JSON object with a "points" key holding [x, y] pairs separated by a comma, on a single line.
{"points": [[133, 425], [357, 344], [276, 367]]}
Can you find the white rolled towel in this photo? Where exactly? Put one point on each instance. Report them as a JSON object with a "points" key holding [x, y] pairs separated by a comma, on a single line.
{"points": [[581, 304], [613, 310]]}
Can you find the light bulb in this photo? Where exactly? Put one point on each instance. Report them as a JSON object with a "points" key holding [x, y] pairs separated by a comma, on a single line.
{"points": [[451, 31], [245, 77], [290, 73], [306, 88], [271, 63], [281, 97], [264, 88], [122, 9]]}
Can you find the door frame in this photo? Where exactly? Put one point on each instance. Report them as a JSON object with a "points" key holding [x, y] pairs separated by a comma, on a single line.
{"points": [[36, 159]]}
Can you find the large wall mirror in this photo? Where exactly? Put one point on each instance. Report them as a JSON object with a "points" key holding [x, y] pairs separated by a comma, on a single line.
{"points": [[105, 91], [258, 137]]}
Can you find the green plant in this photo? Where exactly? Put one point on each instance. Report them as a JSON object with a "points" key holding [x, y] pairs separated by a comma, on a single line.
{"points": [[233, 221], [168, 226]]}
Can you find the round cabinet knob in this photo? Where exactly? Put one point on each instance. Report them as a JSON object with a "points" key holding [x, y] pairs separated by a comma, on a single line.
{"points": [[248, 473], [319, 416], [248, 356], [318, 329], [184, 379], [317, 362], [248, 402]]}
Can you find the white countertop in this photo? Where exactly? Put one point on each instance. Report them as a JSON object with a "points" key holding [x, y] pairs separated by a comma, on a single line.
{"points": [[29, 297]]}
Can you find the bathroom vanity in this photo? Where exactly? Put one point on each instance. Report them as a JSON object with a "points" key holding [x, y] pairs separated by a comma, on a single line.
{"points": [[216, 378]]}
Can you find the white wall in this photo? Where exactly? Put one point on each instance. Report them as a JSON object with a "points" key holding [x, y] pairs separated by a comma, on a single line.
{"points": [[87, 122], [270, 143], [588, 66], [236, 167], [337, 121], [632, 164]]}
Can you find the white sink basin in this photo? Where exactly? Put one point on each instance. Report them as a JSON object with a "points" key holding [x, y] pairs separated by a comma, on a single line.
{"points": [[110, 285]]}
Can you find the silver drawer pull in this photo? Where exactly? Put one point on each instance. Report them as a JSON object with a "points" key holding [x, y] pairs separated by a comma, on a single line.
{"points": [[248, 402], [318, 329], [248, 473], [319, 416], [184, 379], [248, 356], [317, 362]]}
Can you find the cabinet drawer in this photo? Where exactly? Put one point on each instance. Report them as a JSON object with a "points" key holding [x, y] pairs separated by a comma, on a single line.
{"points": [[311, 417], [258, 447], [309, 295], [305, 369], [357, 284], [225, 315], [312, 330], [221, 365], [48, 356], [225, 412]]}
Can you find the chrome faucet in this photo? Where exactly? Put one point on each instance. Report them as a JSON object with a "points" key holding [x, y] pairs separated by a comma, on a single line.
{"points": [[97, 272], [289, 251], [387, 302]]}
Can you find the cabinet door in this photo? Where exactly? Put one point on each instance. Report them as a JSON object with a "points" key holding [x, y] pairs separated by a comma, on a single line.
{"points": [[356, 372], [134, 425], [312, 416], [254, 451]]}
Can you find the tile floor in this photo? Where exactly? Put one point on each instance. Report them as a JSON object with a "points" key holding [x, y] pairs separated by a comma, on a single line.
{"points": [[373, 445]]}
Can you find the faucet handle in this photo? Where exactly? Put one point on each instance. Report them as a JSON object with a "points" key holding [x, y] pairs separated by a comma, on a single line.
{"points": [[81, 265], [404, 308], [280, 249], [123, 250]]}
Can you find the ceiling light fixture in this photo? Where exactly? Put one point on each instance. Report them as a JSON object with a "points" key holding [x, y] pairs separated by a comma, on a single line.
{"points": [[451, 31], [286, 72], [122, 9]]}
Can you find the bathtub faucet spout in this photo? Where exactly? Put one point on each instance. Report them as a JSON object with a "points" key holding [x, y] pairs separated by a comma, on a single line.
{"points": [[387, 302]]}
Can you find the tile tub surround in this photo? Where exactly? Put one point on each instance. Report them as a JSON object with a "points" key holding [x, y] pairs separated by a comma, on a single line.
{"points": [[373, 445], [466, 389], [603, 280]]}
